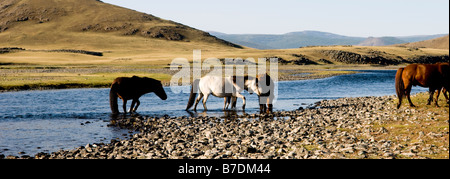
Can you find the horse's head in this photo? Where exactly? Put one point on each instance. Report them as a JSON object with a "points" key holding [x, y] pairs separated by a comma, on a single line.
{"points": [[159, 91], [251, 85], [264, 84]]}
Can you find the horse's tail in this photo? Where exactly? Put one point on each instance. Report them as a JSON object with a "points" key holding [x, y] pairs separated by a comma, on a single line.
{"points": [[113, 99], [194, 91], [399, 86]]}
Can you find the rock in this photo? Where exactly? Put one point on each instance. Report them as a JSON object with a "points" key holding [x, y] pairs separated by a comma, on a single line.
{"points": [[354, 58], [251, 150], [408, 154], [338, 128]]}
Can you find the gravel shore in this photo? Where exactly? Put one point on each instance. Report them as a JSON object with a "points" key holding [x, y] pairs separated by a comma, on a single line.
{"points": [[342, 128]]}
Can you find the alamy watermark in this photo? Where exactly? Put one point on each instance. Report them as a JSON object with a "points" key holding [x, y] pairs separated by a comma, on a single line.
{"points": [[228, 67]]}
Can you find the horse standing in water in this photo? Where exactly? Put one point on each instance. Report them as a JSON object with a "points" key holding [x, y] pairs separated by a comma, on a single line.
{"points": [[434, 76], [220, 87], [266, 88], [133, 88], [265, 91]]}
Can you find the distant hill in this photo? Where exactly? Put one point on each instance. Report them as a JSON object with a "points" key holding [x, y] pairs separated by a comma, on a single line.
{"points": [[437, 43], [313, 38], [288, 40], [380, 41], [87, 22]]}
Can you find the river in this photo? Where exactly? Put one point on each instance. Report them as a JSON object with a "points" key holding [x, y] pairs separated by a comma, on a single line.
{"points": [[50, 120]]}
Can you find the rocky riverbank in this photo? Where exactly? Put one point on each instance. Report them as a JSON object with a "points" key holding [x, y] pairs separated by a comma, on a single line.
{"points": [[364, 127]]}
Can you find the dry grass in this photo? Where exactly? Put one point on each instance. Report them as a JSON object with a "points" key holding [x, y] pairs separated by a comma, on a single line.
{"points": [[424, 125], [41, 77], [438, 43], [145, 55]]}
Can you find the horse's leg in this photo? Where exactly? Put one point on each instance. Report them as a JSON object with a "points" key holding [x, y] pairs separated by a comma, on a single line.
{"points": [[430, 99], [408, 95], [200, 96], [132, 106], [400, 99], [137, 105], [124, 106], [269, 108], [233, 102], [226, 102], [437, 97], [243, 99], [262, 108], [269, 105], [409, 100], [444, 91], [204, 102], [262, 104]]}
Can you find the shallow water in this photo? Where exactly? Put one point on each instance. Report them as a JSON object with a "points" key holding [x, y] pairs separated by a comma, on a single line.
{"points": [[46, 121]]}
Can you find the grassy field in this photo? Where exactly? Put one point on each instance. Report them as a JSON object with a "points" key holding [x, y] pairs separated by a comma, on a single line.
{"points": [[35, 68], [39, 70], [426, 125], [25, 78]]}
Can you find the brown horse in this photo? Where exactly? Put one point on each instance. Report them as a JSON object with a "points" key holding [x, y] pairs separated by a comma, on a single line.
{"points": [[133, 88], [434, 76]]}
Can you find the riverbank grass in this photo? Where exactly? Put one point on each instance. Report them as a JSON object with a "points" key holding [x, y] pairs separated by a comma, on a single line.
{"points": [[62, 80], [31, 77], [417, 129]]}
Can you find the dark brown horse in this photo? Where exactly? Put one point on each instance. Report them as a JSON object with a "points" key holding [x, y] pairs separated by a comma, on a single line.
{"points": [[434, 76], [133, 88], [266, 94]]}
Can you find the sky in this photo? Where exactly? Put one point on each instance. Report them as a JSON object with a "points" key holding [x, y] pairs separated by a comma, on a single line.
{"points": [[360, 18]]}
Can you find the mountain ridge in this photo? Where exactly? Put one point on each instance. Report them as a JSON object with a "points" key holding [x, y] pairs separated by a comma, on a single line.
{"points": [[314, 38]]}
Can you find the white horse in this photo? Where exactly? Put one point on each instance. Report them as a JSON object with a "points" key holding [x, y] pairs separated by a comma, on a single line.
{"points": [[221, 87], [265, 91]]}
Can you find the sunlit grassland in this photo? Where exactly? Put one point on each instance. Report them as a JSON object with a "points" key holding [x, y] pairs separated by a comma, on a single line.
{"points": [[425, 124], [132, 55], [20, 78]]}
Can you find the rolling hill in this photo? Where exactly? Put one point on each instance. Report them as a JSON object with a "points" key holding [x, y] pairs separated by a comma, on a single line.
{"points": [[314, 38], [89, 24], [437, 43]]}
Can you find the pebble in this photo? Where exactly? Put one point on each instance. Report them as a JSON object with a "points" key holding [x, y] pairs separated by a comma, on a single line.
{"points": [[338, 128]]}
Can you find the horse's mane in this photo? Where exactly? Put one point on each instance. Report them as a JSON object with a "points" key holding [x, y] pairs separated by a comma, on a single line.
{"points": [[146, 79]]}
